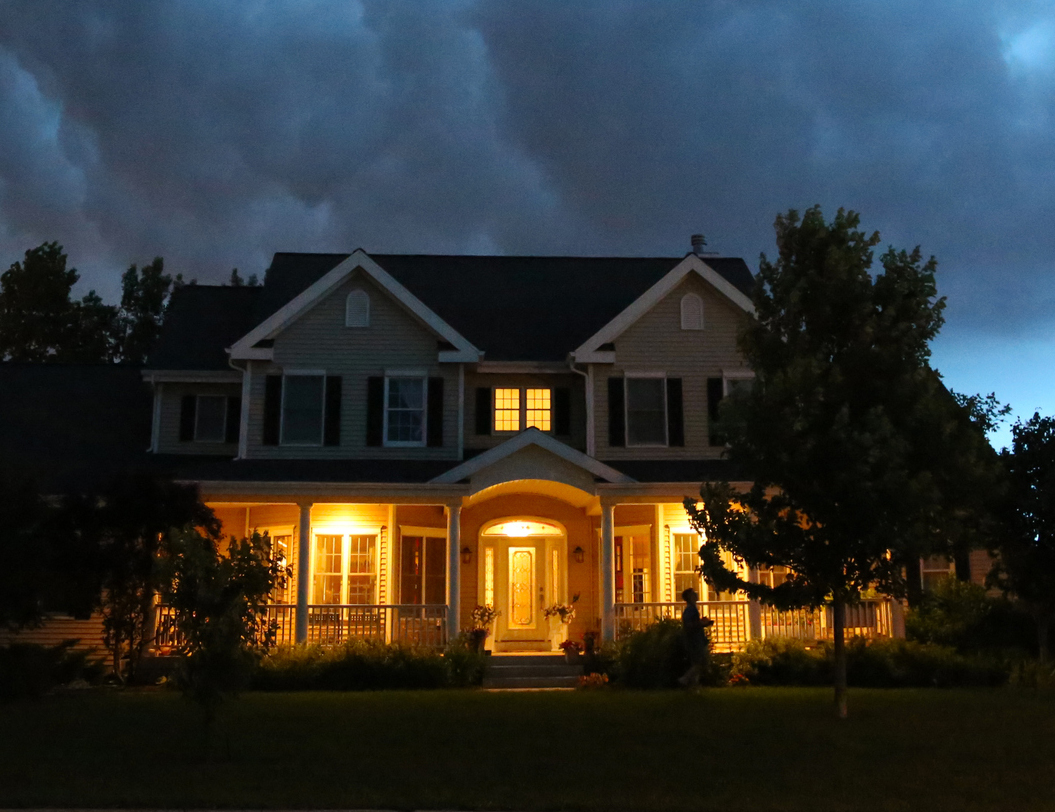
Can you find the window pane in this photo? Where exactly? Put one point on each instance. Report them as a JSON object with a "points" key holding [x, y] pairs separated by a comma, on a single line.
{"points": [[210, 420], [280, 552], [361, 569], [646, 411], [435, 570], [406, 412], [412, 566], [327, 586], [302, 409], [538, 409], [507, 410]]}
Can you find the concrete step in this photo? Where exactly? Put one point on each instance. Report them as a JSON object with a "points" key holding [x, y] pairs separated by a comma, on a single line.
{"points": [[531, 671]]}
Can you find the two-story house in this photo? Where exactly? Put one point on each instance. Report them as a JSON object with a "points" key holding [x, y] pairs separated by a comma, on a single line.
{"points": [[422, 434]]}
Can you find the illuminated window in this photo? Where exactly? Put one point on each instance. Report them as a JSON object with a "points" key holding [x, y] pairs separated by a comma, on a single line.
{"points": [[507, 410], [345, 569], [489, 576], [530, 408], [538, 409], [423, 569]]}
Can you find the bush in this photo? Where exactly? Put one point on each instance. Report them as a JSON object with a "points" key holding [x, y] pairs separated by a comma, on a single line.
{"points": [[652, 658], [882, 663], [464, 661], [366, 665], [29, 671], [964, 616]]}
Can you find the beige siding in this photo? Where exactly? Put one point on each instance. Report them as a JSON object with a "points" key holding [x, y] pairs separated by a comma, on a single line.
{"points": [[320, 341], [657, 343], [57, 629], [171, 398], [473, 380]]}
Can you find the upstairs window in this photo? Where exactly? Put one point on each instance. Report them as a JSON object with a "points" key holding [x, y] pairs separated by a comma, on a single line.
{"points": [[691, 312], [527, 408], [357, 309], [303, 397], [405, 411], [209, 419], [646, 411]]}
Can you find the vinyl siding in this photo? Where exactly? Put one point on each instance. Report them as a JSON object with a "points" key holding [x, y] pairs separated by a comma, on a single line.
{"points": [[171, 398], [473, 380], [319, 340], [656, 342]]}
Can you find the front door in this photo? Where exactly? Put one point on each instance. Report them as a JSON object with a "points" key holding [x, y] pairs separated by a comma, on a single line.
{"points": [[520, 595]]}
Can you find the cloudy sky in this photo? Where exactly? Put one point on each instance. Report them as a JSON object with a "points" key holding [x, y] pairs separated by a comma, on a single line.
{"points": [[214, 134]]}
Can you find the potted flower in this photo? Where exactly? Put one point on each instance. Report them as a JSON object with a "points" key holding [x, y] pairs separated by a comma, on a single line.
{"points": [[482, 616], [559, 616], [572, 650]]}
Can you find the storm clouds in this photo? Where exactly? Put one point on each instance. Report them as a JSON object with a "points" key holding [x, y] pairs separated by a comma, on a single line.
{"points": [[214, 134]]}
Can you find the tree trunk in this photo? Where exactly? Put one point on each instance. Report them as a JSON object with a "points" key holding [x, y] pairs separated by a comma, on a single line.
{"points": [[1043, 647], [913, 584], [962, 561], [839, 650]]}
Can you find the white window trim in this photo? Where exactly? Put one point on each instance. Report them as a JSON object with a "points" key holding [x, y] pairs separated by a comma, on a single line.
{"points": [[345, 532], [423, 533], [424, 412], [627, 376], [734, 375], [197, 411], [291, 373], [347, 302]]}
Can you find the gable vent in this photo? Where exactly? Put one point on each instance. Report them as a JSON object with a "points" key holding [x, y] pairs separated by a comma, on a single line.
{"points": [[691, 312], [357, 309]]}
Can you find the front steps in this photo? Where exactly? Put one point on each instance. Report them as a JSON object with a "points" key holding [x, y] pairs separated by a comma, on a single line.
{"points": [[530, 671]]}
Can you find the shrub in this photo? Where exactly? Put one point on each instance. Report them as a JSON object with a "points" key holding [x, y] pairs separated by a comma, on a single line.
{"points": [[367, 665], [464, 662], [652, 658], [29, 671], [781, 661], [964, 616]]}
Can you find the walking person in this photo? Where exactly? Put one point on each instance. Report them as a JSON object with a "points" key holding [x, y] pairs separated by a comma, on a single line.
{"points": [[694, 629]]}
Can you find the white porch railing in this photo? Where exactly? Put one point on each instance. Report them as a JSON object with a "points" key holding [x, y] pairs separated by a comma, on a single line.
{"points": [[331, 625], [736, 622], [730, 631]]}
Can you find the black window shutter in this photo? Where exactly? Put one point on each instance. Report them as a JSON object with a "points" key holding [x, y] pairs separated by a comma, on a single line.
{"points": [[234, 420], [375, 411], [331, 430], [675, 414], [272, 409], [715, 392], [616, 413], [434, 427], [187, 412], [483, 410], [562, 410]]}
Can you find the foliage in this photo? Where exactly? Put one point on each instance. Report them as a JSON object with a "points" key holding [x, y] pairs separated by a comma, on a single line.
{"points": [[854, 449], [26, 561], [592, 682], [364, 665], [217, 597], [884, 663], [963, 616], [1025, 566], [654, 657], [565, 612], [572, 646], [482, 616], [29, 671], [40, 322], [464, 663]]}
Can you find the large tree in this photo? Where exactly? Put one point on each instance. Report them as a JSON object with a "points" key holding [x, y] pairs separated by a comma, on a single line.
{"points": [[846, 433], [144, 298], [1025, 567]]}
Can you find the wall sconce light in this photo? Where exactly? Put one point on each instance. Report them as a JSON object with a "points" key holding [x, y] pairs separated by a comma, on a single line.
{"points": [[467, 555], [580, 555]]}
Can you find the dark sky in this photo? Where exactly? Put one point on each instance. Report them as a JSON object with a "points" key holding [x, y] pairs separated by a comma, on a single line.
{"points": [[215, 134]]}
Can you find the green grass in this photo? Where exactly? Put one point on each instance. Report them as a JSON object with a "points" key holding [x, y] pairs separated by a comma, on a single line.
{"points": [[750, 749]]}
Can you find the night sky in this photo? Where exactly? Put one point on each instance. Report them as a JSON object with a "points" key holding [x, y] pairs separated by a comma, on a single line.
{"points": [[214, 134]]}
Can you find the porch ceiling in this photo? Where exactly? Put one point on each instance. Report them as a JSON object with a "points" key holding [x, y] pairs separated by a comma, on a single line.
{"points": [[537, 487]]}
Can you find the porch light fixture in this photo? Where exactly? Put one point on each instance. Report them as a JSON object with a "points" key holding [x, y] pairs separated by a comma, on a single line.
{"points": [[580, 555], [467, 555]]}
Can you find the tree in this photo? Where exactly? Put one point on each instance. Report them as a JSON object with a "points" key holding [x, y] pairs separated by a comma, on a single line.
{"points": [[217, 597], [1025, 567], [38, 319], [846, 432], [144, 297], [25, 560]]}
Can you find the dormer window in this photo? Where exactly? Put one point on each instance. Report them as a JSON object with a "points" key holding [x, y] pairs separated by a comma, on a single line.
{"points": [[357, 309], [691, 312]]}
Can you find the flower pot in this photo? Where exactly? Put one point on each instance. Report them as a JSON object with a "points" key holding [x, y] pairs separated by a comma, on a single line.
{"points": [[571, 657]]}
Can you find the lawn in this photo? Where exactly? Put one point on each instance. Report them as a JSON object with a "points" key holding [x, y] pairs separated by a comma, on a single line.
{"points": [[727, 749]]}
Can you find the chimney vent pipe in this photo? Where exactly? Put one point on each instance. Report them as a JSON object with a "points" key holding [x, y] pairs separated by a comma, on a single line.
{"points": [[698, 243]]}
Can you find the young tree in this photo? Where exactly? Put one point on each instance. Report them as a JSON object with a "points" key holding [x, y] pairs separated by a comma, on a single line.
{"points": [[846, 432], [217, 597], [1025, 567], [144, 298]]}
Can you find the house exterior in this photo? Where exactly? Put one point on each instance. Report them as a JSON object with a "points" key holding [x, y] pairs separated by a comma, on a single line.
{"points": [[421, 434]]}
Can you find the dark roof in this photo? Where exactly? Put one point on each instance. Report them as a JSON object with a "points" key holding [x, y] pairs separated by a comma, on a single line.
{"points": [[512, 308], [201, 322], [678, 470], [71, 427]]}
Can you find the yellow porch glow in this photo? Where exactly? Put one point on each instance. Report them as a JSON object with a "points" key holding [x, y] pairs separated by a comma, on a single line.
{"points": [[521, 529]]}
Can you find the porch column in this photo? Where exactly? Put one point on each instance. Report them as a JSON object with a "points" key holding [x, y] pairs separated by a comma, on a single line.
{"points": [[303, 572], [454, 568], [607, 571]]}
